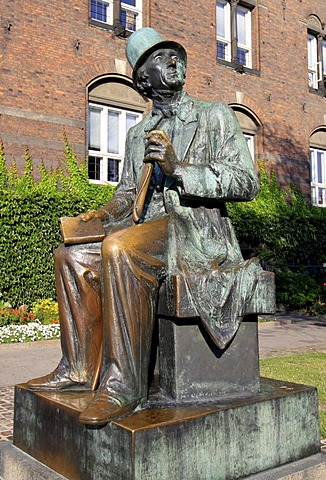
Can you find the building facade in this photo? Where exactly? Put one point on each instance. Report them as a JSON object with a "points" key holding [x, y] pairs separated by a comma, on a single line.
{"points": [[63, 70]]}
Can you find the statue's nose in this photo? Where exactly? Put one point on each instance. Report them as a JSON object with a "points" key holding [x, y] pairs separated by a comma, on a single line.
{"points": [[172, 62]]}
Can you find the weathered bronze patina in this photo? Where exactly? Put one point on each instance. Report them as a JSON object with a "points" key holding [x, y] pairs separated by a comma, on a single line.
{"points": [[167, 218]]}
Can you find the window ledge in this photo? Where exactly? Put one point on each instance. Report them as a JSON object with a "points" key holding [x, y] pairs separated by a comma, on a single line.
{"points": [[321, 92], [238, 67], [117, 29]]}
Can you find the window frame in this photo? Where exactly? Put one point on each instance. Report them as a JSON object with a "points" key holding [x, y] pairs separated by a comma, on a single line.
{"points": [[103, 153], [316, 185], [314, 66], [248, 33]]}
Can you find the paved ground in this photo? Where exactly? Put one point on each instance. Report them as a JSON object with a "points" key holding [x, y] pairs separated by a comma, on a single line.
{"points": [[287, 334]]}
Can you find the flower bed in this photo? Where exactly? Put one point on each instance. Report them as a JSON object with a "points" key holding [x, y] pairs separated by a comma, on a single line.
{"points": [[30, 332], [24, 324]]}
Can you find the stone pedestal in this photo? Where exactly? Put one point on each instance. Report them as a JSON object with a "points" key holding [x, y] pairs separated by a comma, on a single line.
{"points": [[226, 440], [191, 367]]}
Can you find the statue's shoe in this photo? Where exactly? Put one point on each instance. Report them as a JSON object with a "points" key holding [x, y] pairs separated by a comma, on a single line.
{"points": [[56, 381], [103, 409]]}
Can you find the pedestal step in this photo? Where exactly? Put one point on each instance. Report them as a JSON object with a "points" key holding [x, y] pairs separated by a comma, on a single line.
{"points": [[220, 441]]}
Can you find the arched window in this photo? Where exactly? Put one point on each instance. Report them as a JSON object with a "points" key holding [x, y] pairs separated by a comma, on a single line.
{"points": [[318, 167], [249, 124], [113, 107]]}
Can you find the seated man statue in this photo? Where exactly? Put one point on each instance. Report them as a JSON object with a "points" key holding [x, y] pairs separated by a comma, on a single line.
{"points": [[167, 217]]}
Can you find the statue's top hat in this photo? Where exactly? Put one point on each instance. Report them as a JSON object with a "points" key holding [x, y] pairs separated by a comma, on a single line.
{"points": [[145, 41]]}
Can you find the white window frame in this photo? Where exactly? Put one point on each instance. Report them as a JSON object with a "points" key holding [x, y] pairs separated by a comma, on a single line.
{"points": [[318, 189], [250, 139], [137, 10], [314, 67], [109, 20], [226, 39], [247, 45], [103, 153]]}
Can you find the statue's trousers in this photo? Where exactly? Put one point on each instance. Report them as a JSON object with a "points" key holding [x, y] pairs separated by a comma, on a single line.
{"points": [[133, 263]]}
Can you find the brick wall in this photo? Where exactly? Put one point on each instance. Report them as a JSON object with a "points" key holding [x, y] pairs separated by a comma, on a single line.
{"points": [[44, 76]]}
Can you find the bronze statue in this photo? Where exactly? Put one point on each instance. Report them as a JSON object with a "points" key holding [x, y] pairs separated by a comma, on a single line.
{"points": [[168, 216]]}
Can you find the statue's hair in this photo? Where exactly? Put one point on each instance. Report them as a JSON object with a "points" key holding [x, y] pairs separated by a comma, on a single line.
{"points": [[141, 82]]}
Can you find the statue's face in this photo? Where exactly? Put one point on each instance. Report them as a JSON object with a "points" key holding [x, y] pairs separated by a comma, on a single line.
{"points": [[165, 69]]}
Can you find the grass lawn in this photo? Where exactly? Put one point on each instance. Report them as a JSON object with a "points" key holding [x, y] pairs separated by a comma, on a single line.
{"points": [[308, 369]]}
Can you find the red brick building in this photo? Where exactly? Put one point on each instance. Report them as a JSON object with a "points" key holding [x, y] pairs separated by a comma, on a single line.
{"points": [[63, 68]]}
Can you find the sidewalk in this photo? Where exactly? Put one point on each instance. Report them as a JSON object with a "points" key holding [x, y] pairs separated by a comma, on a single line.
{"points": [[286, 334]]}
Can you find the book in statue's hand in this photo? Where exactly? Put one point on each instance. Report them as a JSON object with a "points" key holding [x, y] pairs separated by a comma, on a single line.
{"points": [[75, 231]]}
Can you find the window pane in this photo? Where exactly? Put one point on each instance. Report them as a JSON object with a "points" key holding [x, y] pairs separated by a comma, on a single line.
{"points": [[113, 132], [129, 19], [131, 120], [222, 50], [220, 19], [94, 128], [113, 170], [321, 196], [324, 57], [132, 3], [242, 56], [99, 10], [312, 50], [320, 178], [94, 168], [241, 26]]}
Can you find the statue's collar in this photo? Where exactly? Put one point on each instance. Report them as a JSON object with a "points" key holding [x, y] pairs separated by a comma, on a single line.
{"points": [[182, 109]]}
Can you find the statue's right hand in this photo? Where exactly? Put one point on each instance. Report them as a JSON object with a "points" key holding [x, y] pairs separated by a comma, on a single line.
{"points": [[85, 217]]}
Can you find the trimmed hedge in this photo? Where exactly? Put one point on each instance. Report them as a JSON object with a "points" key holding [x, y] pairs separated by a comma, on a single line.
{"points": [[29, 223]]}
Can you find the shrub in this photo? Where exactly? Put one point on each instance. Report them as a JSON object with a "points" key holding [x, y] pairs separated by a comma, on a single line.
{"points": [[296, 290]]}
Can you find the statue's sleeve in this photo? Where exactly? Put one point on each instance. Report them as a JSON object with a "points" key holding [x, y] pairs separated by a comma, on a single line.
{"points": [[121, 203], [227, 172]]}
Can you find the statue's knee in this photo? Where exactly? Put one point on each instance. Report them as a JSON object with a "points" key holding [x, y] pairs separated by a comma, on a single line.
{"points": [[59, 254], [112, 247]]}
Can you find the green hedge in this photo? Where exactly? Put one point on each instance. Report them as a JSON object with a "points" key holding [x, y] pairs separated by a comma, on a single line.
{"points": [[29, 223], [283, 229]]}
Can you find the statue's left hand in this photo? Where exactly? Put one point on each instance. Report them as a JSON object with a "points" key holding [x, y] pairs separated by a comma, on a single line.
{"points": [[158, 148]]}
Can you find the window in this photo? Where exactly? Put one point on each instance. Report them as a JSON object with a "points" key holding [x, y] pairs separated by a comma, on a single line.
{"points": [[108, 128], [318, 176], [233, 33], [131, 14], [124, 15], [113, 107], [223, 34], [316, 54], [101, 10]]}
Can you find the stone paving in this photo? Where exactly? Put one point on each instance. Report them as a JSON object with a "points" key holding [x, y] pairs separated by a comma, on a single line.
{"points": [[6, 413]]}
